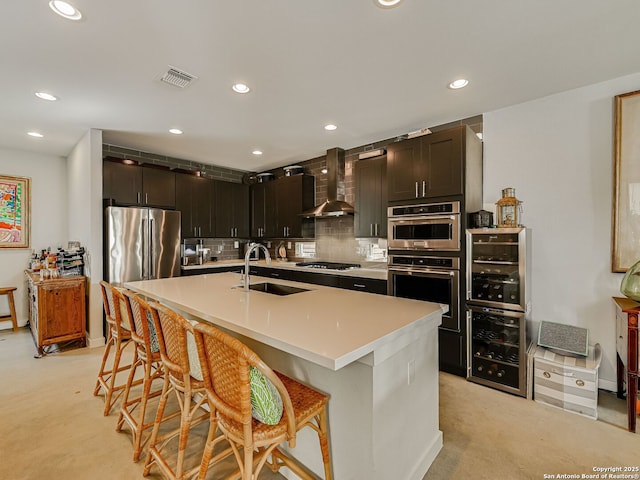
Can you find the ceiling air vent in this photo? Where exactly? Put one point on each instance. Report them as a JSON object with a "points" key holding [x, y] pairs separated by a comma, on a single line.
{"points": [[177, 78]]}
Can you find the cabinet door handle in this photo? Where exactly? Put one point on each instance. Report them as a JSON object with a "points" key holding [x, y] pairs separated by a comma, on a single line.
{"points": [[359, 285], [146, 199], [195, 231], [199, 231], [377, 231], [138, 197], [424, 188], [416, 189], [371, 229]]}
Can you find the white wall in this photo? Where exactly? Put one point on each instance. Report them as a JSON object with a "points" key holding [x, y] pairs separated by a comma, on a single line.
{"points": [[48, 218], [84, 170], [558, 154]]}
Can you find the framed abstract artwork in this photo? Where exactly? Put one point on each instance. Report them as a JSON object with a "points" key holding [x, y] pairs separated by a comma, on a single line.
{"points": [[15, 210]]}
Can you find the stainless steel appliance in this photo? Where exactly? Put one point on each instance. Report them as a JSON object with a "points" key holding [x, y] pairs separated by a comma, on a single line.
{"points": [[328, 265], [141, 244], [497, 307], [431, 279], [429, 227]]}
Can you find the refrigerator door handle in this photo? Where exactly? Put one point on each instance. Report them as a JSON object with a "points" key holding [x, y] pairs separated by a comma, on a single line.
{"points": [[151, 251], [145, 239]]}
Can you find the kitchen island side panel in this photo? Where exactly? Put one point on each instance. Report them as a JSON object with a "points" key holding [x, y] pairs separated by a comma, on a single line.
{"points": [[380, 425]]}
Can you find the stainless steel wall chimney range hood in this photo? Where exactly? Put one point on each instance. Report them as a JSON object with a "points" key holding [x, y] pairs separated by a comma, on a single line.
{"points": [[333, 207]]}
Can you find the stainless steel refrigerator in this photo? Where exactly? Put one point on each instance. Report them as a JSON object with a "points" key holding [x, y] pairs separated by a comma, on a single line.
{"points": [[141, 244]]}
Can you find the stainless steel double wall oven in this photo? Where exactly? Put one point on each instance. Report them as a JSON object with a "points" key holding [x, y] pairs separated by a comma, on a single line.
{"points": [[426, 255]]}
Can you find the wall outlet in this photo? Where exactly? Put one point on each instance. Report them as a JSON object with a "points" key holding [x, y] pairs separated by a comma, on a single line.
{"points": [[411, 371], [289, 245], [236, 244]]}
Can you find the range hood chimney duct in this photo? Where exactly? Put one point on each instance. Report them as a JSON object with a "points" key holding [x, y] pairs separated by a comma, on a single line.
{"points": [[333, 206]]}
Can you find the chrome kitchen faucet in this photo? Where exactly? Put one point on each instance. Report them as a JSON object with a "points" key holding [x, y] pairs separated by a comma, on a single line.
{"points": [[247, 257]]}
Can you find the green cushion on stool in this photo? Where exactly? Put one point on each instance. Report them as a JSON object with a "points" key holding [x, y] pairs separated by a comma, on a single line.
{"points": [[266, 403]]}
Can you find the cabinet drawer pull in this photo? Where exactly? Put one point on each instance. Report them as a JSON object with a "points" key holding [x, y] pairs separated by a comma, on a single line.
{"points": [[580, 383], [359, 285], [546, 374]]}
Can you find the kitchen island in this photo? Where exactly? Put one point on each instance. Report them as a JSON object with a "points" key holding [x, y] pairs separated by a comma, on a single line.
{"points": [[376, 356]]}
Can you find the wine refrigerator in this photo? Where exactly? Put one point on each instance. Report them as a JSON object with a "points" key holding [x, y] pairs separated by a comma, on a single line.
{"points": [[498, 307]]}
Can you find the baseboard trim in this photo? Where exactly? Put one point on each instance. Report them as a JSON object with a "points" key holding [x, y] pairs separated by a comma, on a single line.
{"points": [[95, 342], [607, 385], [424, 463]]}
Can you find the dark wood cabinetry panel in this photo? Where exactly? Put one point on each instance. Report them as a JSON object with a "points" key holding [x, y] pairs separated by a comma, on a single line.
{"points": [[426, 167], [453, 358], [231, 209], [276, 206], [158, 188], [442, 154], [294, 195], [122, 183], [371, 198], [195, 200], [135, 185], [263, 211], [404, 169]]}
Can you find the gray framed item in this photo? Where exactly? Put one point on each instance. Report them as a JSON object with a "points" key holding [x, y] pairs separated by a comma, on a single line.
{"points": [[565, 339], [625, 248]]}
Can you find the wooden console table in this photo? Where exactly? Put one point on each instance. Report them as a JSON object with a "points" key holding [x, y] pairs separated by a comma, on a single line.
{"points": [[57, 310], [627, 312]]}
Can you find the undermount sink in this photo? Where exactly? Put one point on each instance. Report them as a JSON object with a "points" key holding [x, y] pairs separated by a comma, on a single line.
{"points": [[276, 289]]}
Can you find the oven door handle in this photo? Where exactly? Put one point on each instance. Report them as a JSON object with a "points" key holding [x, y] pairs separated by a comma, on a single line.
{"points": [[425, 218], [425, 271]]}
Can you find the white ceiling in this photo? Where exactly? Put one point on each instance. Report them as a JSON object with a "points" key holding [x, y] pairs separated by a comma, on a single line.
{"points": [[375, 73]]}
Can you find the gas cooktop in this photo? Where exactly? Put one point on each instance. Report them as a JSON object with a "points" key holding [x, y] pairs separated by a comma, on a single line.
{"points": [[329, 265]]}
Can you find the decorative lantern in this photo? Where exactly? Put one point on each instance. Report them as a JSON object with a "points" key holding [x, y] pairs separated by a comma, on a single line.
{"points": [[509, 209]]}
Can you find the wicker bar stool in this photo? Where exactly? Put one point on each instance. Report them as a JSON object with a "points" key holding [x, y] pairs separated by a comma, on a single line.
{"points": [[8, 291], [226, 368], [133, 410], [118, 338], [182, 379]]}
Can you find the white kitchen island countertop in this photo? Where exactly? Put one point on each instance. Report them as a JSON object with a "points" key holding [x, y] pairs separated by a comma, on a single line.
{"points": [[375, 356], [327, 326]]}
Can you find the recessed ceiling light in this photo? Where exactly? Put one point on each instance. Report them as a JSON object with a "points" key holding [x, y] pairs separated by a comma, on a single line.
{"points": [[387, 3], [65, 9], [330, 127], [176, 131], [35, 134], [257, 152], [241, 88], [460, 83], [46, 96]]}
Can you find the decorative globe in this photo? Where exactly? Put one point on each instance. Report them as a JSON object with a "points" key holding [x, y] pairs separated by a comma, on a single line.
{"points": [[630, 285]]}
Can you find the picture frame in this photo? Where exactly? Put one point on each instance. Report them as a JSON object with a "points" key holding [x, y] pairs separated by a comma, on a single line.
{"points": [[625, 249], [15, 211]]}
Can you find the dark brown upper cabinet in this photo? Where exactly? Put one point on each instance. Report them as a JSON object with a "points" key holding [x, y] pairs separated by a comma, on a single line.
{"points": [[194, 198], [231, 209], [371, 198], [426, 167], [276, 206], [294, 195], [263, 212], [136, 185]]}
